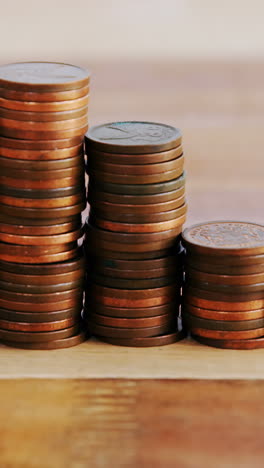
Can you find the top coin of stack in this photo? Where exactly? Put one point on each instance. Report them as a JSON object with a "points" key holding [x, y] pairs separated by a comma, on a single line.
{"points": [[137, 199], [224, 289], [43, 119]]}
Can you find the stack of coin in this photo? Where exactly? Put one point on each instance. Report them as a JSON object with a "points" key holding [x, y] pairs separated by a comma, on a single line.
{"points": [[224, 286], [137, 208], [43, 119]]}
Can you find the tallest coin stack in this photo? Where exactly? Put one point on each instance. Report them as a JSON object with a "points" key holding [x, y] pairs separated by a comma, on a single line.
{"points": [[137, 199], [43, 119]]}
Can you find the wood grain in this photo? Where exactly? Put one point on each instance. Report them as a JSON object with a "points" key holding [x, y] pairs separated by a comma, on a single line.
{"points": [[112, 423]]}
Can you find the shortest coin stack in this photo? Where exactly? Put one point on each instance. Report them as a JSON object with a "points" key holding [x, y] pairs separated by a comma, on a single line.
{"points": [[224, 284]]}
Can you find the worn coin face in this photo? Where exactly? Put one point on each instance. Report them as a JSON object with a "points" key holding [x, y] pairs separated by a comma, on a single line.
{"points": [[148, 342], [43, 76], [253, 343], [225, 237], [133, 137]]}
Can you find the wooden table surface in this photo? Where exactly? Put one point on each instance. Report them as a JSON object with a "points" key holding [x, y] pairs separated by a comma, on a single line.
{"points": [[180, 406]]}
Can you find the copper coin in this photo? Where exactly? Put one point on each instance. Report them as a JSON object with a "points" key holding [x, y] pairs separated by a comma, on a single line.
{"points": [[132, 255], [67, 266], [164, 262], [128, 322], [158, 217], [43, 76], [220, 315], [256, 343], [138, 228], [113, 282], [43, 174], [54, 106], [10, 220], [35, 337], [133, 137], [42, 183], [49, 230], [139, 312], [226, 279], [231, 238], [95, 164], [49, 258], [119, 158], [54, 344], [40, 127], [42, 240], [134, 294], [44, 213], [224, 296], [43, 116], [160, 340], [60, 202], [42, 145], [29, 165], [140, 189], [37, 327], [43, 307], [102, 330], [93, 232], [41, 155], [227, 288], [38, 298], [124, 209], [38, 194], [95, 244], [40, 280], [33, 250], [134, 274], [41, 288], [111, 199], [196, 322], [35, 317], [226, 335], [218, 269], [134, 303], [224, 305], [18, 133], [113, 178], [29, 96]]}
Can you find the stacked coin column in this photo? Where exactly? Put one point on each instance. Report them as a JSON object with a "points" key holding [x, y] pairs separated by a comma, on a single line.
{"points": [[43, 119], [137, 209], [224, 290]]}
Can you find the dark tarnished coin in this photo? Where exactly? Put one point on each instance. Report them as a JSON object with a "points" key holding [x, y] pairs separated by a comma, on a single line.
{"points": [[43, 76], [43, 174], [133, 137], [164, 262], [193, 321], [226, 288], [42, 184], [36, 337], [137, 159], [44, 213], [94, 245], [134, 294], [125, 312], [35, 317], [130, 255], [42, 145], [40, 280], [48, 223], [224, 296], [134, 209], [160, 340], [42, 194], [135, 274], [40, 288], [231, 238], [226, 279], [49, 230], [42, 203], [256, 343], [54, 344], [141, 189], [74, 264], [221, 269], [115, 332], [98, 197], [124, 283], [134, 169], [38, 298], [39, 165]]}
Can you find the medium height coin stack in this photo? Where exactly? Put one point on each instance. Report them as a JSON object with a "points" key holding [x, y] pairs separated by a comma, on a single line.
{"points": [[137, 208], [43, 119], [224, 289]]}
